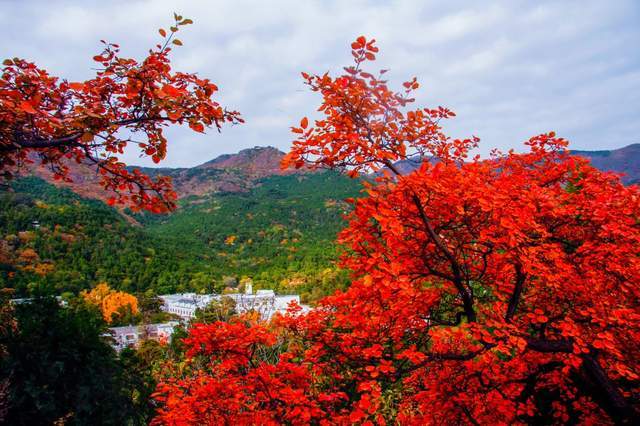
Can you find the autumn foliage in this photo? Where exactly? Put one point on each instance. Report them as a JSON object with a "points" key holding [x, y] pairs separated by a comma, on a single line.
{"points": [[54, 121], [112, 303], [495, 291]]}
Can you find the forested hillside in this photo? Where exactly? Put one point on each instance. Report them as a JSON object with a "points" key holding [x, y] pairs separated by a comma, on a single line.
{"points": [[61, 242], [239, 217], [281, 234]]}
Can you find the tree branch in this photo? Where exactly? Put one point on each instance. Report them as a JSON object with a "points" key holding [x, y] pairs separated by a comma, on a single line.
{"points": [[517, 292], [22, 141], [463, 291], [619, 408]]}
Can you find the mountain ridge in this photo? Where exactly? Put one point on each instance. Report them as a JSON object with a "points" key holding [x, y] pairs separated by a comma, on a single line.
{"points": [[625, 161], [237, 172], [242, 171], [278, 230]]}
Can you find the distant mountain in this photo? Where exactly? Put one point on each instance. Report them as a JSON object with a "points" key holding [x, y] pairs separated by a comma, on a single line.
{"points": [[624, 160], [239, 216], [227, 173], [241, 172], [256, 162]]}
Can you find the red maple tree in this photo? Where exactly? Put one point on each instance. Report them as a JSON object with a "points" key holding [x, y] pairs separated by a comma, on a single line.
{"points": [[53, 121], [495, 291]]}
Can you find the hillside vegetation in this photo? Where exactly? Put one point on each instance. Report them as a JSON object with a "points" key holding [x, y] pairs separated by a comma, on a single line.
{"points": [[280, 233]]}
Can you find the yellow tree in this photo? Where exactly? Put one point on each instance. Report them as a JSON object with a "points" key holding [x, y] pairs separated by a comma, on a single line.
{"points": [[118, 303], [97, 294], [111, 302]]}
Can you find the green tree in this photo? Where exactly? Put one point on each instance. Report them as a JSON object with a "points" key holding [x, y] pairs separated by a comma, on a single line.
{"points": [[61, 368]]}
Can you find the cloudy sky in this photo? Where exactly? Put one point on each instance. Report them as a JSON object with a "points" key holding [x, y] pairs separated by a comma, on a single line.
{"points": [[509, 69]]}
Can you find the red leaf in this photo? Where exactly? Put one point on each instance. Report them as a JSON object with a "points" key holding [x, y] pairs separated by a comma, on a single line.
{"points": [[198, 127], [27, 107]]}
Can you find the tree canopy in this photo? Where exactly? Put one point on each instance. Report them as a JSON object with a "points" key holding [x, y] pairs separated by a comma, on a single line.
{"points": [[501, 290]]}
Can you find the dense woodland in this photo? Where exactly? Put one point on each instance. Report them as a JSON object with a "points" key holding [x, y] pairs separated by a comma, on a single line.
{"points": [[280, 234]]}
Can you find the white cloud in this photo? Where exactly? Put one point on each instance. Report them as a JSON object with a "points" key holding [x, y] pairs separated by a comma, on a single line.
{"points": [[510, 69]]}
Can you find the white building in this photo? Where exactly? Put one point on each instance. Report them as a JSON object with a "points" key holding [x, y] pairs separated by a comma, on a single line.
{"points": [[130, 336], [185, 304], [265, 302]]}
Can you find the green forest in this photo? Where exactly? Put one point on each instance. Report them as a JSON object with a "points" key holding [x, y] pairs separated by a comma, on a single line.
{"points": [[281, 234]]}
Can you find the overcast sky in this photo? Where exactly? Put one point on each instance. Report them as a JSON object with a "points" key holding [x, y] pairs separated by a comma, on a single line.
{"points": [[509, 69]]}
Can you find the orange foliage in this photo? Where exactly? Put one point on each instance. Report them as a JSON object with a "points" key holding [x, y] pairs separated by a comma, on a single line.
{"points": [[29, 260], [43, 268], [115, 302], [110, 302], [96, 295], [28, 256]]}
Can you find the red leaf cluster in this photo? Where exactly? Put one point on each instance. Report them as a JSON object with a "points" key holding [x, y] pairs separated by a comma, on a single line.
{"points": [[127, 102], [496, 291]]}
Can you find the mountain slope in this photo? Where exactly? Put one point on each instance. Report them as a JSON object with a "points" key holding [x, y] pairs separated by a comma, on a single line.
{"points": [[226, 173], [624, 160], [280, 233], [82, 241]]}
